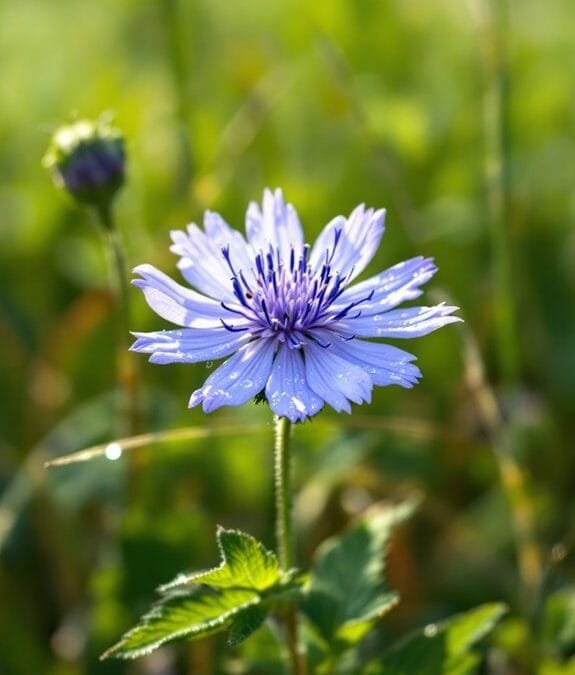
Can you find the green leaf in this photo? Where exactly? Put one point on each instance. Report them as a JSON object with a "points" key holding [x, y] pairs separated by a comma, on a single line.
{"points": [[346, 591], [245, 623], [199, 614], [245, 564], [441, 649], [233, 595]]}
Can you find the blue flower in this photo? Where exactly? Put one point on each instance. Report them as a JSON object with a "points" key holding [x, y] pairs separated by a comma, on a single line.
{"points": [[285, 313]]}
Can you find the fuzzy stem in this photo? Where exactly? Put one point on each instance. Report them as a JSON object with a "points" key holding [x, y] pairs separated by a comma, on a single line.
{"points": [[284, 533], [284, 530]]}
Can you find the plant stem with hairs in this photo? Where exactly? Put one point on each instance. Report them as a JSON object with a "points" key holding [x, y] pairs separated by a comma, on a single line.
{"points": [[284, 532]]}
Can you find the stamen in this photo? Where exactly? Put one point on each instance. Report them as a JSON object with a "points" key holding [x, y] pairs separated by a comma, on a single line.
{"points": [[259, 264], [351, 305], [336, 238], [238, 292], [226, 254], [265, 311], [244, 282], [234, 311], [232, 329], [325, 345]]}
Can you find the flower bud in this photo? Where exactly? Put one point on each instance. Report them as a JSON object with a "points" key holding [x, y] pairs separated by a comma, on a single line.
{"points": [[87, 159]]}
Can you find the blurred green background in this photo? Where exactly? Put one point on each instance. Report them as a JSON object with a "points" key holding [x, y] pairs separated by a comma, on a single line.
{"points": [[459, 117]]}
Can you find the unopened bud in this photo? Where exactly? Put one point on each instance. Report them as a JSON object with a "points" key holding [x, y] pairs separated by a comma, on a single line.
{"points": [[87, 159]]}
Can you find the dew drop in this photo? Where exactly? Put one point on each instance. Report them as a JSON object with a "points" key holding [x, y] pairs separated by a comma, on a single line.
{"points": [[113, 451], [209, 364], [430, 630]]}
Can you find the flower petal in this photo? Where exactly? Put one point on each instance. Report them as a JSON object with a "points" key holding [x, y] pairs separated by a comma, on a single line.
{"points": [[357, 244], [395, 285], [287, 390], [399, 323], [188, 345], [202, 262], [178, 304], [385, 364], [238, 379], [334, 379], [276, 223]]}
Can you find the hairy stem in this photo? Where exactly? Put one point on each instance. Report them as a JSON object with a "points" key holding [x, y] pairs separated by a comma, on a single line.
{"points": [[284, 530], [284, 533]]}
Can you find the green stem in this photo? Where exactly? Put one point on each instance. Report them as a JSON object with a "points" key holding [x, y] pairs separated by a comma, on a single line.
{"points": [[120, 269], [177, 46], [512, 477], [126, 367], [498, 179], [284, 533], [284, 530]]}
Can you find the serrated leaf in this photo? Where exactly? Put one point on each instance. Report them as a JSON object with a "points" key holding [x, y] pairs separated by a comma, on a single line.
{"points": [[347, 591], [245, 623], [245, 564], [194, 615], [233, 595], [441, 649]]}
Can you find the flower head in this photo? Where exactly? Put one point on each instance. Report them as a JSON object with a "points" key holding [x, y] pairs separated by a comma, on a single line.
{"points": [[87, 159], [285, 313]]}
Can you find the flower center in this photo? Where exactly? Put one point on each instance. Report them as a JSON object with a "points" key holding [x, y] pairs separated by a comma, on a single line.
{"points": [[287, 298]]}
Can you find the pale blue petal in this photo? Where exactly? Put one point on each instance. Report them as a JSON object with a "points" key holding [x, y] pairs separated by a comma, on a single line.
{"points": [[399, 323], [395, 285], [358, 242], [385, 364], [222, 235], [202, 262], [188, 345], [287, 391], [178, 304], [238, 379], [276, 223], [335, 380]]}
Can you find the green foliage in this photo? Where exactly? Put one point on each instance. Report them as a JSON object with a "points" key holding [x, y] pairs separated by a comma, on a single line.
{"points": [[346, 592], [441, 649], [198, 613], [235, 596], [558, 625], [245, 564]]}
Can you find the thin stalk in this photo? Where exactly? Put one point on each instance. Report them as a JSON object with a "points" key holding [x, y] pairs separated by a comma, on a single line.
{"points": [[126, 368], [284, 529], [284, 533], [513, 479], [177, 44], [495, 42], [498, 181]]}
